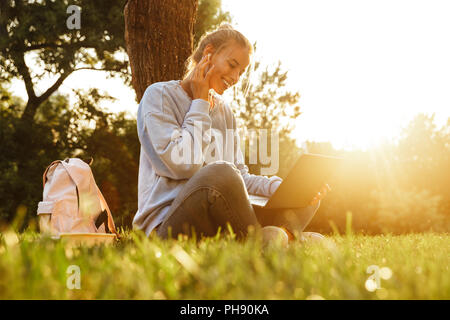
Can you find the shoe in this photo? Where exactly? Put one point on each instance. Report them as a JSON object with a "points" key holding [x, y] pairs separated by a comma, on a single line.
{"points": [[311, 237], [272, 234]]}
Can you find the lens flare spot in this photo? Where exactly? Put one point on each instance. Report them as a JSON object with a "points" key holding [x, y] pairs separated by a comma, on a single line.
{"points": [[371, 285], [11, 238], [385, 273]]}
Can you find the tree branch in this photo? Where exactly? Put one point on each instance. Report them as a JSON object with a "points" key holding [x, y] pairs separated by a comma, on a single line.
{"points": [[33, 104], [41, 46], [25, 73], [95, 69], [54, 87], [75, 45]]}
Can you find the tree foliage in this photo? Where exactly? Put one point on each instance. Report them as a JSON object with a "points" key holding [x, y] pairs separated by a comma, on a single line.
{"points": [[209, 16], [397, 187], [37, 30], [262, 101]]}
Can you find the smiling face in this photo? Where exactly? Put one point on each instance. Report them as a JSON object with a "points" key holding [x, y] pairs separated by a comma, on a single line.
{"points": [[230, 63]]}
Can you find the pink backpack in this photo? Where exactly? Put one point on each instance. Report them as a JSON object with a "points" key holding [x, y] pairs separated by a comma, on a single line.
{"points": [[72, 202]]}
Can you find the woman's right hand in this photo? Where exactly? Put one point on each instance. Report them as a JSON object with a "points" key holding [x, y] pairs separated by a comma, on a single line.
{"points": [[199, 81], [320, 195]]}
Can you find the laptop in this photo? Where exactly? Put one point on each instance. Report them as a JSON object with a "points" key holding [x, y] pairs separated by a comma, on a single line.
{"points": [[304, 180]]}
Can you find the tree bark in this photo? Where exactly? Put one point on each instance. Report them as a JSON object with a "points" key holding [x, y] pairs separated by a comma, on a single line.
{"points": [[159, 39]]}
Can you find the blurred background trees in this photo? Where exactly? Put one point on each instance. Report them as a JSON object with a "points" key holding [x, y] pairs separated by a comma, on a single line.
{"points": [[401, 186], [37, 31], [261, 101], [398, 187]]}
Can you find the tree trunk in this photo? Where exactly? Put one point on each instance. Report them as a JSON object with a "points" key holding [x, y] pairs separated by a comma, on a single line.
{"points": [[159, 39]]}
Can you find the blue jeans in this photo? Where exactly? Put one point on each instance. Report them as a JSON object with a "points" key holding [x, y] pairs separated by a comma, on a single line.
{"points": [[216, 195]]}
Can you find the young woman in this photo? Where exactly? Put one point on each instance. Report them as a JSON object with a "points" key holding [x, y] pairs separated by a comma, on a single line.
{"points": [[182, 187]]}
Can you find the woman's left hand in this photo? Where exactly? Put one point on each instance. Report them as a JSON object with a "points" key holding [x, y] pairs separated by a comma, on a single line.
{"points": [[320, 195]]}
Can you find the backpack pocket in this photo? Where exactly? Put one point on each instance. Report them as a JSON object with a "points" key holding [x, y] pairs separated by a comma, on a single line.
{"points": [[45, 207], [65, 218], [44, 211]]}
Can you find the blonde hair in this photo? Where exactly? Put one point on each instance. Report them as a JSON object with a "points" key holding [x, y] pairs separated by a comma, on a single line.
{"points": [[219, 39]]}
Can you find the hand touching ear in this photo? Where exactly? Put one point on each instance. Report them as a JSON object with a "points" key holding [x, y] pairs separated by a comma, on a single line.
{"points": [[200, 80]]}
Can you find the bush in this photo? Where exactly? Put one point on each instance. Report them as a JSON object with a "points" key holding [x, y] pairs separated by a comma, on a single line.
{"points": [[402, 211]]}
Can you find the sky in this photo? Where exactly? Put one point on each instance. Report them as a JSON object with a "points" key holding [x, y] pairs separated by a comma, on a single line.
{"points": [[363, 68]]}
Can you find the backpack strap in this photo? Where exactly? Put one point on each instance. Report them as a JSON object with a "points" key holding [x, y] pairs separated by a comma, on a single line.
{"points": [[111, 225], [82, 185], [44, 177]]}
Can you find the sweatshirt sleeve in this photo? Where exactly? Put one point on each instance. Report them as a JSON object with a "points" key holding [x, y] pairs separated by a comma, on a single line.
{"points": [[171, 148], [255, 184]]}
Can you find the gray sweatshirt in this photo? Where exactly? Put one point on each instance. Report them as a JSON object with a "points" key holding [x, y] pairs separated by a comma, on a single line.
{"points": [[179, 136]]}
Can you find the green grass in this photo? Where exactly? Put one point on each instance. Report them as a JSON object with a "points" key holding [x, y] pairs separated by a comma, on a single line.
{"points": [[32, 267]]}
